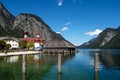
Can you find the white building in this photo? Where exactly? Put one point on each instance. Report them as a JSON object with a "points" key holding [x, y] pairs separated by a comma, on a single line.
{"points": [[38, 40], [14, 42]]}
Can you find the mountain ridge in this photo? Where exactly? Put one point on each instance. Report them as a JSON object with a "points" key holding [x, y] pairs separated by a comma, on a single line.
{"points": [[109, 38], [7, 19]]}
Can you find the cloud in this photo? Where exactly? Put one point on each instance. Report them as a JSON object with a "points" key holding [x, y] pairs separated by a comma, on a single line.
{"points": [[94, 33], [58, 32], [68, 23], [60, 3], [64, 28]]}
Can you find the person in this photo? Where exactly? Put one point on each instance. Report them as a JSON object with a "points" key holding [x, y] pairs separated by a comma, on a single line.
{"points": [[5, 51]]}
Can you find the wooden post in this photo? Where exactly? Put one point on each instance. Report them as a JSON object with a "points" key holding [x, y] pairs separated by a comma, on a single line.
{"points": [[24, 66], [59, 63], [96, 62], [59, 76]]}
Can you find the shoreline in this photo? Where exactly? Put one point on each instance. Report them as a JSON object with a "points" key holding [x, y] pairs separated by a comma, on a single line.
{"points": [[19, 53]]}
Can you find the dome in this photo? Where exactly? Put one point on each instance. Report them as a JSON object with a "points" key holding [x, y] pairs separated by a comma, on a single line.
{"points": [[25, 32], [37, 33]]}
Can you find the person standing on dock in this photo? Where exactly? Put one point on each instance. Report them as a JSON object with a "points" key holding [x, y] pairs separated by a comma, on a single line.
{"points": [[5, 51]]}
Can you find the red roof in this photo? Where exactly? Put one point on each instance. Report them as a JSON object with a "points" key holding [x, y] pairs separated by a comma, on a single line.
{"points": [[33, 39]]}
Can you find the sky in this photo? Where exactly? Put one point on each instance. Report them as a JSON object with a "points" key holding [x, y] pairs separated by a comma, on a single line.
{"points": [[77, 21]]}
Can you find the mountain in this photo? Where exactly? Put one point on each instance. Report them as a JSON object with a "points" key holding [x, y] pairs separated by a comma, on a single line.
{"points": [[15, 26], [109, 38], [115, 41], [6, 18], [85, 45], [33, 24], [6, 22]]}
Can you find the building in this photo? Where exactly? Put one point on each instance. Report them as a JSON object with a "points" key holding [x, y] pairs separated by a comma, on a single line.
{"points": [[58, 46], [14, 42], [38, 41]]}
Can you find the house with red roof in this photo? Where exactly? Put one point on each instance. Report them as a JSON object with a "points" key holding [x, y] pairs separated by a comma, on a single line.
{"points": [[38, 40]]}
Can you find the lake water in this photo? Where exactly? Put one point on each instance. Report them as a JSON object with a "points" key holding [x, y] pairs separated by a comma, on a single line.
{"points": [[76, 67]]}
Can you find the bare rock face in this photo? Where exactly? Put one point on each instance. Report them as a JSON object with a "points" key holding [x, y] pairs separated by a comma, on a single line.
{"points": [[6, 22], [109, 38], [6, 18], [33, 24], [109, 35]]}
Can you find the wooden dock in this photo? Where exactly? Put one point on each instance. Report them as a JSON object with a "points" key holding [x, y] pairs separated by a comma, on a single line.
{"points": [[19, 53]]}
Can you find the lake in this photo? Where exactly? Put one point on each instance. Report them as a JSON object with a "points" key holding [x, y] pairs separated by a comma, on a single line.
{"points": [[87, 64]]}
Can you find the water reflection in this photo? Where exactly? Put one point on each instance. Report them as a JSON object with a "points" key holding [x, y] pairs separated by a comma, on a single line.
{"points": [[39, 64], [110, 60], [24, 59], [86, 65], [59, 63], [59, 77], [30, 67], [11, 59], [24, 77]]}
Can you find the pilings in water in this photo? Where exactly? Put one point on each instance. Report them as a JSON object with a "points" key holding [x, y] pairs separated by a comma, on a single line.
{"points": [[59, 77], [24, 58], [96, 64], [59, 63]]}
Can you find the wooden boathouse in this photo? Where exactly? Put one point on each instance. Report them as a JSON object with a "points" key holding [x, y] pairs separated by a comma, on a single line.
{"points": [[58, 46]]}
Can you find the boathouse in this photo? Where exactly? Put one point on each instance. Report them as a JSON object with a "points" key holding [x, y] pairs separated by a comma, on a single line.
{"points": [[57, 45]]}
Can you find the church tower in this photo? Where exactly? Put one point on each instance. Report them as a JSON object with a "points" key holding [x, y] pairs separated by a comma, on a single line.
{"points": [[25, 34]]}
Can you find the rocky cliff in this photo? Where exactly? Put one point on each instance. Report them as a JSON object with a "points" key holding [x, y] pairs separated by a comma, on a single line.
{"points": [[6, 18], [33, 24], [6, 22]]}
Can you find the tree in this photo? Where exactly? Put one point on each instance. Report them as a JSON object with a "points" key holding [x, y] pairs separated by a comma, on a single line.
{"points": [[30, 45], [2, 44], [23, 44], [8, 46]]}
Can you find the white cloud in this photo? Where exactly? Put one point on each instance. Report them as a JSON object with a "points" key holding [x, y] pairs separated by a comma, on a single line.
{"points": [[64, 28], [58, 32], [68, 23], [60, 3], [94, 33]]}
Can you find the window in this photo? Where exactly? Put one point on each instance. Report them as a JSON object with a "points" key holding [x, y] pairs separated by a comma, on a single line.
{"points": [[15, 44], [58, 44]]}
